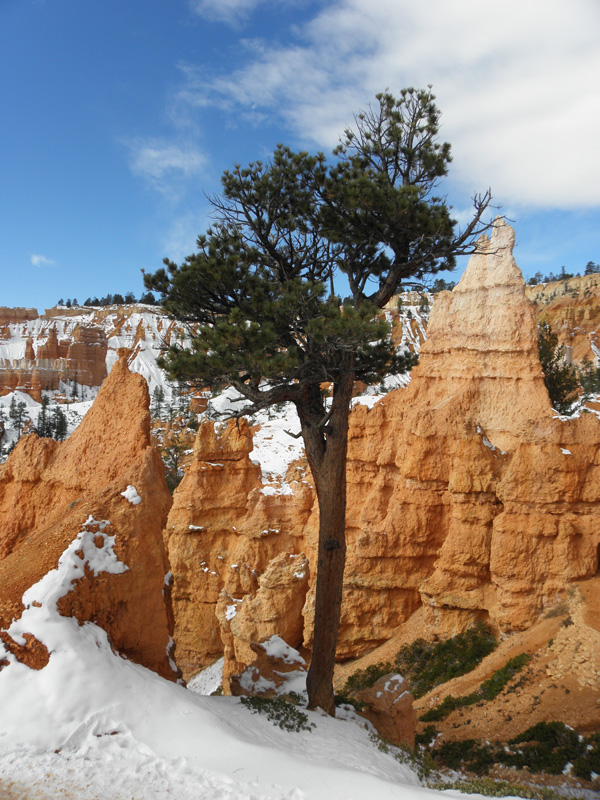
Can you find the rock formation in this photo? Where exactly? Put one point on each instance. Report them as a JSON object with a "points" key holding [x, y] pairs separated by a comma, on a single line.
{"points": [[274, 608], [222, 533], [77, 344], [13, 315], [106, 470], [274, 669], [572, 308], [388, 705], [465, 493]]}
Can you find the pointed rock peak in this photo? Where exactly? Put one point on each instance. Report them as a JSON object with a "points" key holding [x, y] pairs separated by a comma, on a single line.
{"points": [[492, 263], [115, 430], [482, 344], [503, 238]]}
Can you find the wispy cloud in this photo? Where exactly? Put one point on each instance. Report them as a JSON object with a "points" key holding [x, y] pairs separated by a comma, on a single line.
{"points": [[180, 238], [41, 261], [163, 164], [517, 85], [230, 11]]}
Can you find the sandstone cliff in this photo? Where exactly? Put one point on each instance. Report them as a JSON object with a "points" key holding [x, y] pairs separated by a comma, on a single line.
{"points": [[466, 495], [572, 308], [107, 470]]}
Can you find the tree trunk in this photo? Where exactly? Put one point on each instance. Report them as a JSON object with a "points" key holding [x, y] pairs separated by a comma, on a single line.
{"points": [[326, 449]]}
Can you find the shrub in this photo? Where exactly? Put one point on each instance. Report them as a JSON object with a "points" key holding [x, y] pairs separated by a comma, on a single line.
{"points": [[365, 678], [448, 705], [494, 685], [488, 690], [280, 712], [548, 747], [430, 664]]}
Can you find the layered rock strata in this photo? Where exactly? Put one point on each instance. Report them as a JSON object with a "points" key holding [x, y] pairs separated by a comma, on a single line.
{"points": [[466, 494], [80, 345], [106, 470], [223, 531]]}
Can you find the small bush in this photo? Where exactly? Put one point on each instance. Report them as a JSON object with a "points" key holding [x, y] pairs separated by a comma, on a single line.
{"points": [[430, 664], [488, 690], [280, 712], [448, 705], [466, 754], [548, 747], [365, 678], [494, 685], [492, 788], [424, 739]]}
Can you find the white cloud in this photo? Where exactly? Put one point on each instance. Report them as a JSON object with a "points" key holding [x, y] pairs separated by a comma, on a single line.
{"points": [[164, 164], [516, 82], [230, 11], [41, 261], [179, 240]]}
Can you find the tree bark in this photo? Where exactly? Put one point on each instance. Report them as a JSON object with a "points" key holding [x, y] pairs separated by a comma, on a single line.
{"points": [[326, 449]]}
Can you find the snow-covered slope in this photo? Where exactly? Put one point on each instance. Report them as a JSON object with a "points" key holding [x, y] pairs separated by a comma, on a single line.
{"points": [[91, 724]]}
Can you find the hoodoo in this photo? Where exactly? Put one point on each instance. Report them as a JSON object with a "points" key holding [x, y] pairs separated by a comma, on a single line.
{"points": [[467, 494], [106, 472]]}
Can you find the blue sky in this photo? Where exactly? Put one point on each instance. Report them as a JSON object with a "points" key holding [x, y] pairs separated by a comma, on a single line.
{"points": [[119, 116]]}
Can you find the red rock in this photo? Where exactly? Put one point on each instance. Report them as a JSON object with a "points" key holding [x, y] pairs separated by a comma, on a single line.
{"points": [[388, 705], [49, 489]]}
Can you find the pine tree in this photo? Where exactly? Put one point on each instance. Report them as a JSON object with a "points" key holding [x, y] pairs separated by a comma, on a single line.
{"points": [[18, 414], [172, 455], [268, 320], [59, 424], [158, 399], [560, 377], [44, 427]]}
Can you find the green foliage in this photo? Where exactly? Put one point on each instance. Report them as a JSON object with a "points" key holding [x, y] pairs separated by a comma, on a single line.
{"points": [[426, 737], [279, 712], [559, 376], [545, 747], [492, 687], [493, 788], [172, 456], [157, 405], [260, 290], [465, 754], [419, 760], [18, 415], [260, 286], [365, 678], [440, 285], [51, 424], [429, 664], [488, 690], [589, 378], [448, 705]]}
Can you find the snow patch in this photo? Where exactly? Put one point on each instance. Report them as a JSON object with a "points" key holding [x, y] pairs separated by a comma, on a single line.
{"points": [[131, 494]]}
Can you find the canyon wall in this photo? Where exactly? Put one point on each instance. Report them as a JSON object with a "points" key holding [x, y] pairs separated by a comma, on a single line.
{"points": [[106, 471], [38, 352], [572, 308], [466, 494]]}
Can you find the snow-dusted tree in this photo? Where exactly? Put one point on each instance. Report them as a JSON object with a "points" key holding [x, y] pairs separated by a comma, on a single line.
{"points": [[18, 414]]}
